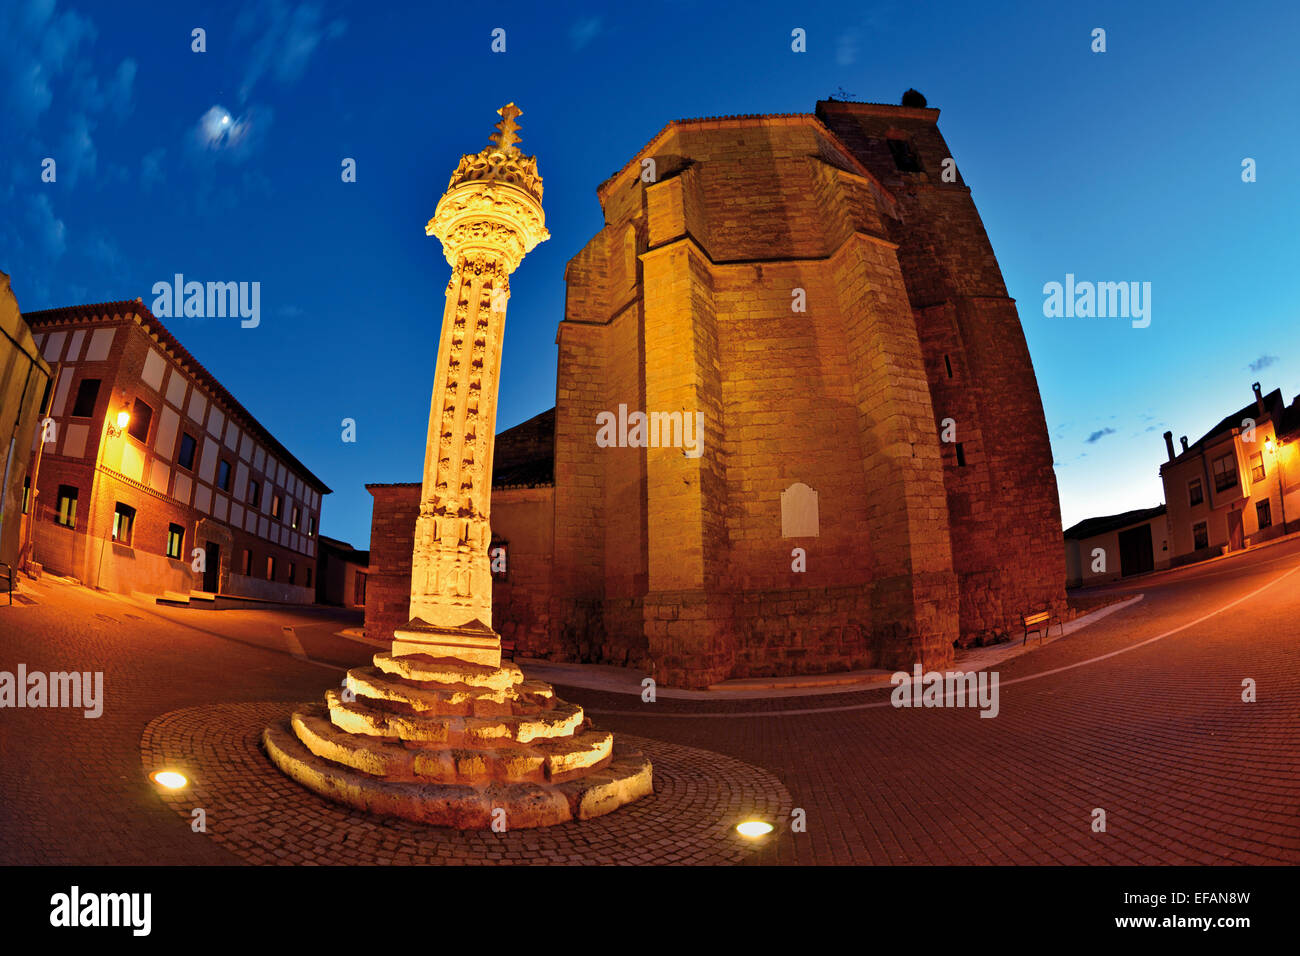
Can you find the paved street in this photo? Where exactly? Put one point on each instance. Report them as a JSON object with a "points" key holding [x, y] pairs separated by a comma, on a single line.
{"points": [[1139, 714]]}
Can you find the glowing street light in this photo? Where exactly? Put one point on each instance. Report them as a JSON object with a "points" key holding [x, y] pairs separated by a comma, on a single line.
{"points": [[754, 829], [123, 419]]}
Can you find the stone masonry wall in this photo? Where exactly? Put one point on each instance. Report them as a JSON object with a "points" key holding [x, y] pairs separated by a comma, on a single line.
{"points": [[392, 540], [743, 213], [1003, 499], [521, 603]]}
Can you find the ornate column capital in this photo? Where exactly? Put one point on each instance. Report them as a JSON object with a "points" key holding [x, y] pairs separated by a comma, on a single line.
{"points": [[493, 203]]}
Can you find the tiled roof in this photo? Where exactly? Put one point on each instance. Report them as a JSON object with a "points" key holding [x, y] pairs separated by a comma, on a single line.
{"points": [[1272, 405], [1289, 427], [532, 474], [1090, 527], [524, 456], [743, 118], [130, 307], [345, 549]]}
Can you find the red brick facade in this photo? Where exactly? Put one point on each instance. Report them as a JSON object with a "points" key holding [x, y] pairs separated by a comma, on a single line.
{"points": [[210, 498]]}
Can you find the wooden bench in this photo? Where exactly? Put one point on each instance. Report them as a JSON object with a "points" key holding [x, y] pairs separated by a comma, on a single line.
{"points": [[1040, 622]]}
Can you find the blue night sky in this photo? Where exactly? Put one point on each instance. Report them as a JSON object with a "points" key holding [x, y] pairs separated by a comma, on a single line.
{"points": [[1117, 166]]}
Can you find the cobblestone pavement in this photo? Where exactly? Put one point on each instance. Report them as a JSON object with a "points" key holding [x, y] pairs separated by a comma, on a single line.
{"points": [[1140, 715], [263, 816]]}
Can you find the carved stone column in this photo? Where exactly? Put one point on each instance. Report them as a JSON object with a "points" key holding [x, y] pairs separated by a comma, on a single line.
{"points": [[440, 731], [489, 218]]}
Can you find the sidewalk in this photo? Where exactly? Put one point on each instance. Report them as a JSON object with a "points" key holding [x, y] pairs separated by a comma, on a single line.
{"points": [[1183, 568], [624, 680]]}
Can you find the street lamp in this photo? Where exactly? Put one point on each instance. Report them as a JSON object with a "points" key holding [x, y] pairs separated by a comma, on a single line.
{"points": [[1274, 449], [123, 419], [112, 431]]}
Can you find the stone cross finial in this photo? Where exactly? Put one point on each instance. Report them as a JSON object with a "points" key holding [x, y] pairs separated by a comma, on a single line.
{"points": [[505, 137]]}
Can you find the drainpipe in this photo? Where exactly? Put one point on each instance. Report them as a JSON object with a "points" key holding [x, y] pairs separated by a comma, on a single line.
{"points": [[1281, 478], [25, 556], [13, 440], [13, 435]]}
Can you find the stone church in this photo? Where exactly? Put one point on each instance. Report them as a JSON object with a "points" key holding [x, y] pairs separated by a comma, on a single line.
{"points": [[872, 483]]}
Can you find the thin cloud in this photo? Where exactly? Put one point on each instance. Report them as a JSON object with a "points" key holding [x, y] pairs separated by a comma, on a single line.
{"points": [[287, 37], [115, 97], [46, 226], [151, 168], [1263, 362], [1098, 435], [104, 252], [37, 46], [846, 48], [584, 30], [76, 153]]}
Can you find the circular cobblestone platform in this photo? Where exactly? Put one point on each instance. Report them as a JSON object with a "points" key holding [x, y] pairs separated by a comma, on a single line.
{"points": [[262, 816]]}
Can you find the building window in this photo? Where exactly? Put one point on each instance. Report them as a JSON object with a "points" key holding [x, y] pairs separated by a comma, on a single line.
{"points": [[67, 507], [904, 156], [359, 588], [1225, 472], [961, 455], [247, 564], [270, 568], [87, 392], [311, 525], [1264, 513], [1257, 466], [141, 416], [293, 518], [175, 537], [189, 445], [123, 523], [308, 576], [293, 569], [277, 505], [1200, 536], [27, 493], [1195, 493], [254, 492], [223, 475]]}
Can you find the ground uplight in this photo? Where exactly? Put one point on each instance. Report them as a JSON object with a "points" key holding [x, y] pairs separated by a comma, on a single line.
{"points": [[169, 779]]}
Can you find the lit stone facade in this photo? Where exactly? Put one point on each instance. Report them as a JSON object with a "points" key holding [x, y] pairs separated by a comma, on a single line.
{"points": [[818, 291]]}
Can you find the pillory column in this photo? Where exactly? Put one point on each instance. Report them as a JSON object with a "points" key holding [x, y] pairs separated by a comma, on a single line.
{"points": [[489, 218], [439, 731]]}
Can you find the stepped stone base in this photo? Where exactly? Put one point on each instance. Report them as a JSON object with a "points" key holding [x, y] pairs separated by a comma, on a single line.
{"points": [[474, 642], [449, 741]]}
